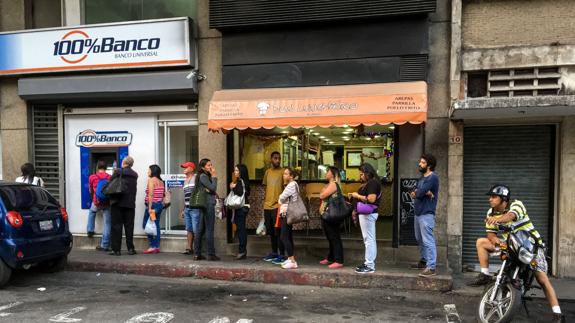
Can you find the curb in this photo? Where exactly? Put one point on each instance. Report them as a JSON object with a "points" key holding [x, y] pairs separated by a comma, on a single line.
{"points": [[311, 277]]}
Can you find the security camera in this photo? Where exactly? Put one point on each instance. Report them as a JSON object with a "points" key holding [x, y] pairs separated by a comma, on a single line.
{"points": [[199, 77]]}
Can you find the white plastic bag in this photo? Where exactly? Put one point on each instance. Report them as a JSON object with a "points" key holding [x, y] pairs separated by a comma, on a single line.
{"points": [[151, 228], [261, 230], [219, 209]]}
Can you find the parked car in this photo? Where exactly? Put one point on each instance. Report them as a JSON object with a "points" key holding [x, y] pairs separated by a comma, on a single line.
{"points": [[33, 230]]}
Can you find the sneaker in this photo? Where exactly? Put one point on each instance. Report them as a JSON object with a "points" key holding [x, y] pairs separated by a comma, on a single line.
{"points": [[132, 252], [480, 280], [100, 248], [335, 265], [364, 270], [289, 264], [241, 256], [419, 266], [91, 234], [270, 257], [427, 272], [200, 257], [558, 318], [151, 250], [360, 267], [279, 260], [325, 262]]}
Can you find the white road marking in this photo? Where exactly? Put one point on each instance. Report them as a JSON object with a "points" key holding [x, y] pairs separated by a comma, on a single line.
{"points": [[159, 317], [227, 320], [64, 317], [5, 307], [451, 314]]}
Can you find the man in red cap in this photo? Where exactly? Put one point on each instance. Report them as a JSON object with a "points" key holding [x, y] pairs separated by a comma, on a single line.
{"points": [[190, 216]]}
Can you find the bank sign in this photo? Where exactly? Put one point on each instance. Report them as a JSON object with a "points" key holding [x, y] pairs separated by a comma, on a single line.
{"points": [[141, 44], [93, 139]]}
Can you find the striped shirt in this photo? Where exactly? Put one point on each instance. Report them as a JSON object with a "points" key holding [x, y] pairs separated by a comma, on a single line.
{"points": [[189, 189], [521, 222], [157, 195]]}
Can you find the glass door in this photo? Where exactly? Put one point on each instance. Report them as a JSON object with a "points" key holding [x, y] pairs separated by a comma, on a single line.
{"points": [[178, 143]]}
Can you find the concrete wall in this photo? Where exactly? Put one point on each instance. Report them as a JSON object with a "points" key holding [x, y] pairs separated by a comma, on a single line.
{"points": [[14, 128], [499, 23]]}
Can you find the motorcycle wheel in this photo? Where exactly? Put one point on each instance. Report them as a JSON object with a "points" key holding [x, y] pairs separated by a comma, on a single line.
{"points": [[507, 302]]}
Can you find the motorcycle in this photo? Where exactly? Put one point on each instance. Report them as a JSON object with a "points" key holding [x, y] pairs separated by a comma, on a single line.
{"points": [[502, 299]]}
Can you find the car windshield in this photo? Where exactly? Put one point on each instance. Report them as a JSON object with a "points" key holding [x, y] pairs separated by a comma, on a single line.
{"points": [[27, 198]]}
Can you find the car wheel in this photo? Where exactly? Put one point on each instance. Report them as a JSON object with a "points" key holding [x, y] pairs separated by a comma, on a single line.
{"points": [[5, 273], [55, 265]]}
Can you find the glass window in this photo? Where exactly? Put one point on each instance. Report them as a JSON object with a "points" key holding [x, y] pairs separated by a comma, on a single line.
{"points": [[43, 14], [102, 11], [27, 198]]}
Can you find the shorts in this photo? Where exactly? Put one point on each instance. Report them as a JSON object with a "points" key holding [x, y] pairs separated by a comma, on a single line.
{"points": [[192, 219], [541, 261]]}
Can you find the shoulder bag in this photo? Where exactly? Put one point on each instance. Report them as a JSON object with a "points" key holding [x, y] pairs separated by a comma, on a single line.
{"points": [[296, 211], [337, 208], [234, 201], [198, 200], [115, 186]]}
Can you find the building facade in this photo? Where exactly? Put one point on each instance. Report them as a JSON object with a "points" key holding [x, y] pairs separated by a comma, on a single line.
{"points": [[512, 121]]}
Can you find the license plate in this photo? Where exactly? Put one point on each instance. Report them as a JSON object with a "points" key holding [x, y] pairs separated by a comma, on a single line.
{"points": [[46, 225]]}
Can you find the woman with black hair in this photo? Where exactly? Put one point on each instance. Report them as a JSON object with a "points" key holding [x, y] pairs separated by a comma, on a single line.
{"points": [[208, 181], [366, 202], [29, 176], [240, 185], [332, 230], [155, 191]]}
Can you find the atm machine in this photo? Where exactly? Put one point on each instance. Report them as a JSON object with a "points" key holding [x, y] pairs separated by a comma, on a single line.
{"points": [[89, 157]]}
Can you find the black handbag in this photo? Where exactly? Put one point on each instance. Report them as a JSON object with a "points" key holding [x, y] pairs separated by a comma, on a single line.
{"points": [[337, 208], [198, 199], [116, 186]]}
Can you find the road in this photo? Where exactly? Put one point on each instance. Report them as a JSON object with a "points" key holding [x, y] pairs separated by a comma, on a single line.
{"points": [[94, 297]]}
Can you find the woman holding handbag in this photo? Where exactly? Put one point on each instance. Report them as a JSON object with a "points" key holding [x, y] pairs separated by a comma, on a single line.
{"points": [[367, 201], [154, 206], [240, 187], [332, 228], [207, 183], [289, 195]]}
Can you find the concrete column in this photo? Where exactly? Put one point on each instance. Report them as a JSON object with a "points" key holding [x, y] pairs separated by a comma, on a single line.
{"points": [[565, 241], [455, 198], [71, 12], [211, 145]]}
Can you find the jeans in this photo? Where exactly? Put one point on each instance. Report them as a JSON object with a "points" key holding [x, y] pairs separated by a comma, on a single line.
{"points": [[192, 219], [122, 218], [424, 225], [240, 216], [154, 241], [107, 217], [287, 237], [333, 235], [367, 224], [273, 232], [207, 223]]}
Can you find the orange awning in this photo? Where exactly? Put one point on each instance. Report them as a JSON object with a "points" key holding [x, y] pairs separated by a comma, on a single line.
{"points": [[323, 106]]}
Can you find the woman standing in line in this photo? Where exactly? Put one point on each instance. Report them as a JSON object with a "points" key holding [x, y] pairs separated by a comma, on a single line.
{"points": [[289, 194], [332, 229], [29, 176], [241, 186], [155, 191], [367, 201], [207, 180]]}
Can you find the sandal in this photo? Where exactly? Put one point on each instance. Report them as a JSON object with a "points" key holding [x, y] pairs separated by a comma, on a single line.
{"points": [[188, 252]]}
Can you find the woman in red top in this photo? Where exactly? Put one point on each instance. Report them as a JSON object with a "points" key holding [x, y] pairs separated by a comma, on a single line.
{"points": [[154, 205]]}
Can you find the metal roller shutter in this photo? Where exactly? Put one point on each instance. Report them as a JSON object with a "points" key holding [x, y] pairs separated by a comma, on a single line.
{"points": [[46, 136], [519, 156]]}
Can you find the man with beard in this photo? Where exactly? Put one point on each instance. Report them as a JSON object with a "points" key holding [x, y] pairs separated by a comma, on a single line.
{"points": [[425, 198], [513, 214]]}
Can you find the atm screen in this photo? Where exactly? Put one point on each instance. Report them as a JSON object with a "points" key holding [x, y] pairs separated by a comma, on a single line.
{"points": [[109, 156]]}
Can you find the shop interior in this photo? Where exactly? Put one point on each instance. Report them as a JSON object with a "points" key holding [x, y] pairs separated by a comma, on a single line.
{"points": [[310, 151]]}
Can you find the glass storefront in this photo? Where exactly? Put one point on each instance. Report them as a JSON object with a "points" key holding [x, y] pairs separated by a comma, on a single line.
{"points": [[310, 152]]}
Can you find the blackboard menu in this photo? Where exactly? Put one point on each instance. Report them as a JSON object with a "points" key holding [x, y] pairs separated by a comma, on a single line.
{"points": [[407, 212]]}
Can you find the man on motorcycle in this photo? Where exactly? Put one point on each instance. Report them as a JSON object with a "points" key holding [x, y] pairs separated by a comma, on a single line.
{"points": [[514, 215]]}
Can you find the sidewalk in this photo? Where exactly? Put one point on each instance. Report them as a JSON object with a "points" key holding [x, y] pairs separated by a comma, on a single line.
{"points": [[255, 270]]}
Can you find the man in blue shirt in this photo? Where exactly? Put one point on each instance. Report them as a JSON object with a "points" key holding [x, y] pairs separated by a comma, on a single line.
{"points": [[425, 199]]}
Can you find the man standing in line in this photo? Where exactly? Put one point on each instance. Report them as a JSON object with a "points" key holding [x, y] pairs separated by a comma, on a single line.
{"points": [[273, 181], [425, 198], [96, 182]]}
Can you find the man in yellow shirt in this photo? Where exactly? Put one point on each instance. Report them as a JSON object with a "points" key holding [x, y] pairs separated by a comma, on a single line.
{"points": [[273, 181]]}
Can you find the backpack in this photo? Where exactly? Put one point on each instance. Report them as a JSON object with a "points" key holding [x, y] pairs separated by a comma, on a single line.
{"points": [[100, 196]]}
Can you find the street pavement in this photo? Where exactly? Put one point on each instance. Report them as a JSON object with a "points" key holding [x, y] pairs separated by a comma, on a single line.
{"points": [[104, 297]]}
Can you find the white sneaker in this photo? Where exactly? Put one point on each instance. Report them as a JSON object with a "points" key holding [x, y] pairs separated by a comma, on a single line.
{"points": [[289, 264]]}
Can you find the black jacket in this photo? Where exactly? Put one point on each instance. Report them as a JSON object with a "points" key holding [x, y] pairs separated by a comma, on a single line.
{"points": [[130, 177]]}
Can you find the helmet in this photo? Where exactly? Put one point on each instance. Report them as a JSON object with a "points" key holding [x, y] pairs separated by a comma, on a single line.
{"points": [[500, 190]]}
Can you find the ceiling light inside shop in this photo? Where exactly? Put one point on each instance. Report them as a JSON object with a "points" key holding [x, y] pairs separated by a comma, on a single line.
{"points": [[322, 137], [367, 138], [345, 139], [391, 127], [285, 131], [345, 126], [316, 133]]}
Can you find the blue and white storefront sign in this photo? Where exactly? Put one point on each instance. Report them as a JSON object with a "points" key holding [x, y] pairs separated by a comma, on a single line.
{"points": [[94, 139], [174, 180]]}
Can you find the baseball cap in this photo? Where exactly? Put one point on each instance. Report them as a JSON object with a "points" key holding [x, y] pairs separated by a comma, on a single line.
{"points": [[188, 164]]}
